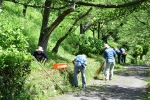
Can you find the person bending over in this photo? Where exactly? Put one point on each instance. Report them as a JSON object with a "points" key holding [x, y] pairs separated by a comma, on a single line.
{"points": [[80, 63], [40, 55]]}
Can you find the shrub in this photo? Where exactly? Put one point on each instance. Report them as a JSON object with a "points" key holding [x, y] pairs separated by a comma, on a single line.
{"points": [[90, 45], [137, 51], [12, 37], [14, 68], [15, 61]]}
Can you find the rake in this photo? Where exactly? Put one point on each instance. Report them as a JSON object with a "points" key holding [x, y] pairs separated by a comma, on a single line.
{"points": [[99, 70]]}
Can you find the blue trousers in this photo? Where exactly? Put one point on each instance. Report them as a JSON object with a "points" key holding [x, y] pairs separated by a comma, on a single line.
{"points": [[76, 68]]}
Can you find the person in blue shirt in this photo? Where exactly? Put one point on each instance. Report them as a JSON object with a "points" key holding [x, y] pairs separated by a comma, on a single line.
{"points": [[109, 55], [40, 55], [80, 63]]}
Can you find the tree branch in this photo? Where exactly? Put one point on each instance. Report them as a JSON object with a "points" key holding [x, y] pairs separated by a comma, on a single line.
{"points": [[57, 22], [37, 6], [139, 20], [84, 4], [55, 49], [107, 6]]}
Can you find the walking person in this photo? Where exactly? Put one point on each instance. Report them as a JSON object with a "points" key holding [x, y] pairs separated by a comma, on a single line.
{"points": [[109, 55], [123, 55], [80, 62], [118, 52]]}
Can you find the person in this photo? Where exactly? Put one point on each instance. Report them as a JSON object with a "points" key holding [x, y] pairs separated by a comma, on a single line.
{"points": [[109, 55], [123, 55], [80, 63], [40, 55], [118, 52]]}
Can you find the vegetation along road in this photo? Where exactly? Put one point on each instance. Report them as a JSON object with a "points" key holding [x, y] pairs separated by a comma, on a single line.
{"points": [[128, 84]]}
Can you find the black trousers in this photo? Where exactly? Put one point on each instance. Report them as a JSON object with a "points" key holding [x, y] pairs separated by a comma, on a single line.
{"points": [[119, 58], [123, 58]]}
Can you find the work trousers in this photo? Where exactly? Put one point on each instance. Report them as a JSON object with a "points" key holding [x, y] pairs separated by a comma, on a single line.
{"points": [[123, 58], [109, 69], [119, 56], [82, 70]]}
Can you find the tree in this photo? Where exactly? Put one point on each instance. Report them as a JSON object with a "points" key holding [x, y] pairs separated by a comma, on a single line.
{"points": [[25, 8], [55, 49], [0, 5], [47, 30], [44, 27], [44, 35]]}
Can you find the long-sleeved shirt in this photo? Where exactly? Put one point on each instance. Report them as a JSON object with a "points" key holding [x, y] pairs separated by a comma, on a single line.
{"points": [[40, 56], [80, 60], [109, 55], [123, 50], [117, 51]]}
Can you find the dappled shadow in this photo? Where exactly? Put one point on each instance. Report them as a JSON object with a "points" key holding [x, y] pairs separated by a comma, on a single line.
{"points": [[106, 92], [111, 91], [57, 58], [128, 84], [137, 71]]}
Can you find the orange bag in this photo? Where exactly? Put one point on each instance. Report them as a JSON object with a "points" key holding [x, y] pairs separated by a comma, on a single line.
{"points": [[60, 66]]}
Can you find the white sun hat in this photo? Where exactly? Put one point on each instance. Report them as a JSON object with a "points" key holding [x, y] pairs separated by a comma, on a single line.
{"points": [[106, 46], [39, 48]]}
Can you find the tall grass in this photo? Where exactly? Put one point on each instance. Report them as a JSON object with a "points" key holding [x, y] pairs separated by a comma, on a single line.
{"points": [[42, 85]]}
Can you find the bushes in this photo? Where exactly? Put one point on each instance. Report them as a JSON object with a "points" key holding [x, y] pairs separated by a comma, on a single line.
{"points": [[137, 51], [90, 45], [15, 67], [14, 63], [12, 37]]}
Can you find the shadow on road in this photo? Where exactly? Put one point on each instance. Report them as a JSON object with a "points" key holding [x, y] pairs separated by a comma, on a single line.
{"points": [[109, 91], [137, 71], [106, 92]]}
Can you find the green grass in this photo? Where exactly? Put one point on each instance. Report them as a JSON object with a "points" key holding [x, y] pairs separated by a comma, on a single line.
{"points": [[42, 85]]}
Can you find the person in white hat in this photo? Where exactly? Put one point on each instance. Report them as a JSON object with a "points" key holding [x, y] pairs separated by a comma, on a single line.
{"points": [[109, 55], [39, 54]]}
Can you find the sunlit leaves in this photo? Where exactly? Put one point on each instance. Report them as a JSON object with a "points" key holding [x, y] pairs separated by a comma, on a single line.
{"points": [[15, 61], [10, 36], [90, 45]]}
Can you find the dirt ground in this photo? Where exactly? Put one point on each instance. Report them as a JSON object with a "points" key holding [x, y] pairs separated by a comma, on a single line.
{"points": [[126, 85]]}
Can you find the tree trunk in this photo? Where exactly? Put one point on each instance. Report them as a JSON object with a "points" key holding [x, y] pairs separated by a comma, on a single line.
{"points": [[141, 57], [93, 33], [0, 5], [81, 28], [44, 26], [24, 10], [46, 32], [56, 47], [98, 30]]}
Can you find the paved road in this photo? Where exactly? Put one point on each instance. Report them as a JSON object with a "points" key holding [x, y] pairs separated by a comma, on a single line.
{"points": [[127, 85]]}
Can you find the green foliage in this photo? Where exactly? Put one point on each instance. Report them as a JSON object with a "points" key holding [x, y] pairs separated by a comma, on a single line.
{"points": [[145, 49], [137, 51], [10, 37], [90, 45], [14, 68], [14, 62]]}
